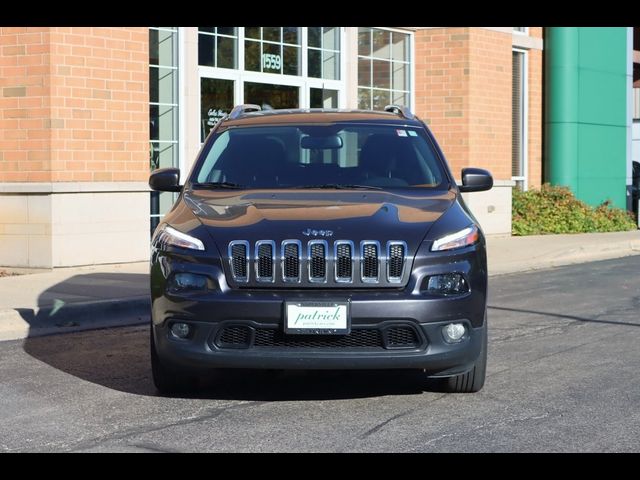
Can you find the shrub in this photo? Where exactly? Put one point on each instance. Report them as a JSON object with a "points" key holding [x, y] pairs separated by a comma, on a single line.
{"points": [[554, 209]]}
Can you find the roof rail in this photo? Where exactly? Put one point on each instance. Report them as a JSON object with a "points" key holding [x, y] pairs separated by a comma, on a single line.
{"points": [[242, 109], [400, 110]]}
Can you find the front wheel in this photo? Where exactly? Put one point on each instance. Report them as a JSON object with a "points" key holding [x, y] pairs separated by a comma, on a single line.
{"points": [[473, 380], [167, 380]]}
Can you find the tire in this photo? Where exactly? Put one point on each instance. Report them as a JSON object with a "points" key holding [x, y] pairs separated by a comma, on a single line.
{"points": [[473, 380], [167, 380]]}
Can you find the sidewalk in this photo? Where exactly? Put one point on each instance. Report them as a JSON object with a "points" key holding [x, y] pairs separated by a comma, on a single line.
{"points": [[72, 299], [535, 252]]}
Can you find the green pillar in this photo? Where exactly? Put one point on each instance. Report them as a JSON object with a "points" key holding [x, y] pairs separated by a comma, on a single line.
{"points": [[586, 106]]}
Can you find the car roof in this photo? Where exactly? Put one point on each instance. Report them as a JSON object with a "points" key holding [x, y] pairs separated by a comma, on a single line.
{"points": [[317, 115]]}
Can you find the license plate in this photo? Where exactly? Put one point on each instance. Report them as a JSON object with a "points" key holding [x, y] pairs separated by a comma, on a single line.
{"points": [[317, 318]]}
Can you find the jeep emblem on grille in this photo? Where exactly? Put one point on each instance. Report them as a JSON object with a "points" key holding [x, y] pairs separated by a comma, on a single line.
{"points": [[317, 233]]}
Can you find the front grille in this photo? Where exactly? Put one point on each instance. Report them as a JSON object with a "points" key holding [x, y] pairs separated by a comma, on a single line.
{"points": [[363, 338], [319, 262], [237, 336], [402, 336]]}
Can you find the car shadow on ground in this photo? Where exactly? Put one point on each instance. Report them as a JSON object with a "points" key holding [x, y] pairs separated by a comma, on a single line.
{"points": [[84, 301], [118, 358]]}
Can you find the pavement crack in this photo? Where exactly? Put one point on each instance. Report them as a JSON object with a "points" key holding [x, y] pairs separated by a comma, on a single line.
{"points": [[87, 444], [488, 425], [381, 425], [152, 447], [558, 352]]}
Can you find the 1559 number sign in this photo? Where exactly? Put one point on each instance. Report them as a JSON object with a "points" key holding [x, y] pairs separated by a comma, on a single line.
{"points": [[271, 61]]}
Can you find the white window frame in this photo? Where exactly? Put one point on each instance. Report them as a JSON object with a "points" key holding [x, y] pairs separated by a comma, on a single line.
{"points": [[179, 99], [411, 64], [303, 81], [521, 32], [525, 119]]}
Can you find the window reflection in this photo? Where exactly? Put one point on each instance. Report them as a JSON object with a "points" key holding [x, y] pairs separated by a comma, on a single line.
{"points": [[383, 68], [163, 111], [272, 50], [323, 52], [217, 47]]}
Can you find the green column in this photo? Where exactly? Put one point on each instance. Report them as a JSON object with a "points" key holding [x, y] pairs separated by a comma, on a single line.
{"points": [[586, 107]]}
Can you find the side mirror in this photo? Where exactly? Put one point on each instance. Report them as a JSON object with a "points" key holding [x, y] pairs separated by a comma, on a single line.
{"points": [[475, 180], [165, 180]]}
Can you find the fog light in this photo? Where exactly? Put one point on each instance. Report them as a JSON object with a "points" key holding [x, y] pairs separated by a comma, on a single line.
{"points": [[453, 332], [181, 330], [181, 282], [447, 284]]}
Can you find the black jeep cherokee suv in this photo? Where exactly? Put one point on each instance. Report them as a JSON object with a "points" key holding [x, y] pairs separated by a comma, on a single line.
{"points": [[319, 239]]}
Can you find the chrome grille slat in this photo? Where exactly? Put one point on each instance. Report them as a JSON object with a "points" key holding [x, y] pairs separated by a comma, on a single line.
{"points": [[370, 261], [319, 262], [265, 258], [344, 261], [239, 260], [291, 260], [396, 253]]}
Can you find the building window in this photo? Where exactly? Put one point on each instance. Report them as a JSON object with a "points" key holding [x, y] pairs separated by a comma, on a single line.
{"points": [[218, 47], [272, 50], [524, 30], [519, 121], [323, 52], [163, 110], [383, 68], [274, 67]]}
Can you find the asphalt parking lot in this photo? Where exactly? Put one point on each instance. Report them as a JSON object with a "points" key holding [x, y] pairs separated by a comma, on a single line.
{"points": [[562, 376]]}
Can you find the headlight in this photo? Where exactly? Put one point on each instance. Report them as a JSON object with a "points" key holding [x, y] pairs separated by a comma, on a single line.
{"points": [[463, 238], [175, 238], [447, 284], [184, 282]]}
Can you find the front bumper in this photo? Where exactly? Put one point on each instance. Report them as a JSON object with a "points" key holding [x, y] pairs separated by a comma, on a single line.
{"points": [[433, 355], [258, 314]]}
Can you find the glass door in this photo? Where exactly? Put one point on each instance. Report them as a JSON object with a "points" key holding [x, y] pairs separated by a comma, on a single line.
{"points": [[270, 96], [216, 100], [323, 98]]}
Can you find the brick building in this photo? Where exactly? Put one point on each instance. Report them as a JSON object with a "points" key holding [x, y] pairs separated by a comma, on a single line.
{"points": [[74, 145], [85, 113]]}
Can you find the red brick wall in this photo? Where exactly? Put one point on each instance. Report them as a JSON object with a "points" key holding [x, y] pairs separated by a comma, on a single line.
{"points": [[463, 91], [74, 104], [442, 89], [535, 117], [490, 101], [24, 104]]}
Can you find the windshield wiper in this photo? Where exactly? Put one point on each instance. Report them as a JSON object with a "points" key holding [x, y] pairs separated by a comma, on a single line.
{"points": [[340, 186], [219, 185]]}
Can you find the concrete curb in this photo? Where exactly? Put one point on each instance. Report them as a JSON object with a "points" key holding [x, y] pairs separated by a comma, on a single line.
{"points": [[21, 323], [570, 257]]}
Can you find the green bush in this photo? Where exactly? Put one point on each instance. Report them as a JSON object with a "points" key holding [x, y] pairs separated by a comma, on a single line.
{"points": [[555, 210]]}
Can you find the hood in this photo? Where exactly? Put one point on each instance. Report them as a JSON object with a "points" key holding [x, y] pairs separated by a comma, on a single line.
{"points": [[348, 214]]}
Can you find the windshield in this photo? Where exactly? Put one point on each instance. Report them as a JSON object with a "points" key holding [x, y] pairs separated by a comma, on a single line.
{"points": [[326, 156]]}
